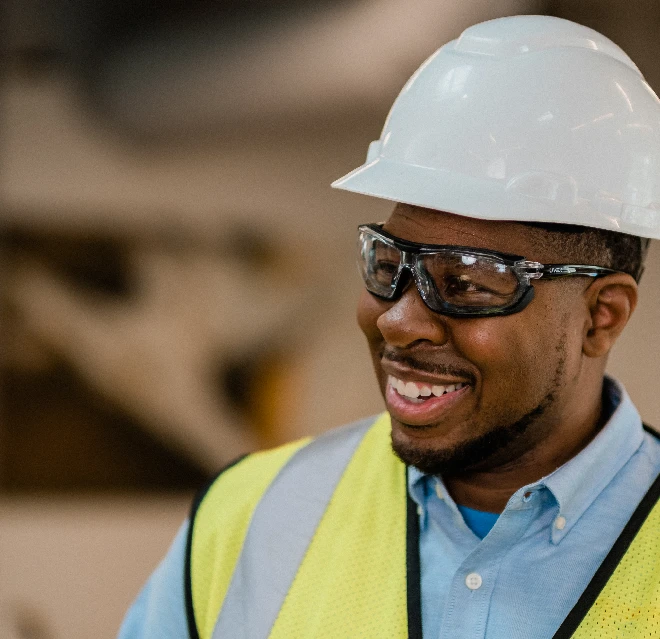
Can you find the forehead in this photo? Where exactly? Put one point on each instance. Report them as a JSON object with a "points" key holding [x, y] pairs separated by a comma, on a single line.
{"points": [[428, 226]]}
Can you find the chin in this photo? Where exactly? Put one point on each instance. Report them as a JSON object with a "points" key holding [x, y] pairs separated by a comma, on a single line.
{"points": [[475, 454], [442, 460]]}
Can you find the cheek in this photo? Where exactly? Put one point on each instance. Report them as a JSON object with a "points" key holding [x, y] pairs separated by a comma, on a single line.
{"points": [[493, 344], [508, 352], [369, 309], [523, 357]]}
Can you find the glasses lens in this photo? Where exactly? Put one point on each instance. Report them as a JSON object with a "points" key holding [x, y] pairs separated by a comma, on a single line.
{"points": [[467, 280], [379, 263], [450, 281]]}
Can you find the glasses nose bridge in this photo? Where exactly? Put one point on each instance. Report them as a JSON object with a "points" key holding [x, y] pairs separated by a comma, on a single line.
{"points": [[408, 263], [407, 258]]}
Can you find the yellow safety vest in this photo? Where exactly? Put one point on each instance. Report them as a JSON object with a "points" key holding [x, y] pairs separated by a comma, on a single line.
{"points": [[358, 572]]}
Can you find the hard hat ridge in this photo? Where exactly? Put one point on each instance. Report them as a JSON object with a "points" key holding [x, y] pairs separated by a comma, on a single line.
{"points": [[525, 118], [519, 35]]}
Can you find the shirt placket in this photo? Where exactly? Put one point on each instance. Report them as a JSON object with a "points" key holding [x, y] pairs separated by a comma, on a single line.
{"points": [[473, 584]]}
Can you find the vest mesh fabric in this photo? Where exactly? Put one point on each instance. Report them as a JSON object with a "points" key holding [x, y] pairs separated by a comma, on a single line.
{"points": [[352, 582], [629, 604], [220, 527]]}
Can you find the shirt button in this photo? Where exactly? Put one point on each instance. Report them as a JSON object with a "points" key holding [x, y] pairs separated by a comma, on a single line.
{"points": [[473, 581], [420, 511], [560, 522], [438, 490]]}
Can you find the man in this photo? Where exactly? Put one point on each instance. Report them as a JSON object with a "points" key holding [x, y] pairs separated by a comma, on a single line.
{"points": [[520, 501]]}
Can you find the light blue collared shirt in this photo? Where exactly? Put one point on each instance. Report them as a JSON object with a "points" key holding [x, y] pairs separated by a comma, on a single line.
{"points": [[523, 578], [532, 566]]}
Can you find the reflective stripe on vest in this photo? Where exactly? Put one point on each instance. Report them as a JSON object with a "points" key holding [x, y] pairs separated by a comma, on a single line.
{"points": [[353, 565], [278, 537], [351, 582]]}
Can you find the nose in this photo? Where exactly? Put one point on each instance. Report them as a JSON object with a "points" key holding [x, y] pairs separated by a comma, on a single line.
{"points": [[409, 320]]}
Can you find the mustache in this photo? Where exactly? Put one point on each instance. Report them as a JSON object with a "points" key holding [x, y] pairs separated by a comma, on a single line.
{"points": [[427, 366]]}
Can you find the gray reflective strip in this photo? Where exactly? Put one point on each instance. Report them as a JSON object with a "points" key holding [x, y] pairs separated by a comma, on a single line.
{"points": [[281, 530]]}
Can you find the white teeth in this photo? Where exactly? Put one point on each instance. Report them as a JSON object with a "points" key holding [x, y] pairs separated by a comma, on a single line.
{"points": [[413, 391]]}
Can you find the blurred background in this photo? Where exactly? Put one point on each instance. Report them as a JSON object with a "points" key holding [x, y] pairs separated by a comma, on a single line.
{"points": [[178, 283]]}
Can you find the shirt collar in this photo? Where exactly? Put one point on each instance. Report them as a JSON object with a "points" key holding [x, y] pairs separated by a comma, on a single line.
{"points": [[577, 483]]}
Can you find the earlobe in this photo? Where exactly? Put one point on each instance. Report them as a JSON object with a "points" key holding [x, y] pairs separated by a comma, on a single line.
{"points": [[611, 301]]}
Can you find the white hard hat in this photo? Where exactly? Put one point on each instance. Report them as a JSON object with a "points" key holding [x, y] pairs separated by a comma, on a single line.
{"points": [[525, 118]]}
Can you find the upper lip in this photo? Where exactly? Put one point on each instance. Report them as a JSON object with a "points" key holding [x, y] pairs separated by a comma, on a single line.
{"points": [[406, 373]]}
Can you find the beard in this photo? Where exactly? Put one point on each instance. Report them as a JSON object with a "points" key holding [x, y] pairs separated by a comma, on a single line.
{"points": [[470, 456], [498, 446]]}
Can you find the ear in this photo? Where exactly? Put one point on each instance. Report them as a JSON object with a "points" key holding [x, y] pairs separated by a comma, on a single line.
{"points": [[611, 301]]}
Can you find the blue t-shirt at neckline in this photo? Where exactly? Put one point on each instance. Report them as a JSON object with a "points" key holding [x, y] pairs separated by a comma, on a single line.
{"points": [[478, 521]]}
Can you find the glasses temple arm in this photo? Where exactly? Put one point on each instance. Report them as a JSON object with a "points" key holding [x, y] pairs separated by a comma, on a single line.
{"points": [[536, 270]]}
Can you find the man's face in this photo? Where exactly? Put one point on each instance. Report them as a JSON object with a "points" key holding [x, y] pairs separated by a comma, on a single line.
{"points": [[517, 375]]}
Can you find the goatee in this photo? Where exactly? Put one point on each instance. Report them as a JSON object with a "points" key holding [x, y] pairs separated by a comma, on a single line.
{"points": [[470, 455]]}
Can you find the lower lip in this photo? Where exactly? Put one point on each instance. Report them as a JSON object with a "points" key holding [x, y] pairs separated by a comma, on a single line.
{"points": [[421, 414]]}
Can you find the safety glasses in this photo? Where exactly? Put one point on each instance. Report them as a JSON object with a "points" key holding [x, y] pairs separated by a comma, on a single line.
{"points": [[458, 281]]}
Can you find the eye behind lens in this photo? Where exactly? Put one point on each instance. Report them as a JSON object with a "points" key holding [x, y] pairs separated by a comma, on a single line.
{"points": [[473, 280]]}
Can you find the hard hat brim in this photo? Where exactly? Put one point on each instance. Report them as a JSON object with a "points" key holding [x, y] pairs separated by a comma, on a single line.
{"points": [[492, 199], [420, 186]]}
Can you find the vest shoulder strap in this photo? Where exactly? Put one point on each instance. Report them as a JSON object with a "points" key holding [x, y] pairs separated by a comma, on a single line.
{"points": [[623, 596], [281, 528], [352, 580], [219, 519]]}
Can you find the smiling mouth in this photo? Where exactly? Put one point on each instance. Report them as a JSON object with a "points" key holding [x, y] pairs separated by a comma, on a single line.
{"points": [[421, 404], [419, 392]]}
